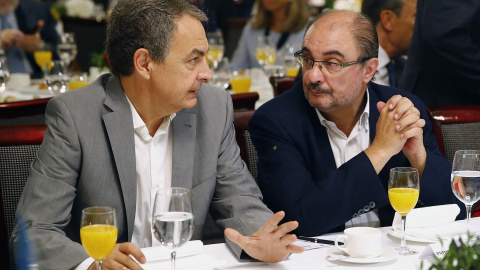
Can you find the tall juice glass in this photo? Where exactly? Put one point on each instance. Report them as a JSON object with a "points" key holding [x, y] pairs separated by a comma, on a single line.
{"points": [[98, 232], [403, 192]]}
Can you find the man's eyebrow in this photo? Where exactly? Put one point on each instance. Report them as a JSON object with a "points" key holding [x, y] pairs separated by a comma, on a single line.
{"points": [[196, 52], [332, 52]]}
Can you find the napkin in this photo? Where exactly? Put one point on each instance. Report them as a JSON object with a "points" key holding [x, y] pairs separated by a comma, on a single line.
{"points": [[189, 256], [427, 222], [163, 253]]}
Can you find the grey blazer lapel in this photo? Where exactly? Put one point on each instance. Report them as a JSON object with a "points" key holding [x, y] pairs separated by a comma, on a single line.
{"points": [[119, 125], [184, 136]]}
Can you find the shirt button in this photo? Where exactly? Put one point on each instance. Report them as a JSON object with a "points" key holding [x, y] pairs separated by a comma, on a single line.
{"points": [[155, 143], [158, 184]]}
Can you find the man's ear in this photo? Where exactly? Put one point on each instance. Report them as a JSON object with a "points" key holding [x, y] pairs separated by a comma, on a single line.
{"points": [[141, 62], [371, 66], [387, 19]]}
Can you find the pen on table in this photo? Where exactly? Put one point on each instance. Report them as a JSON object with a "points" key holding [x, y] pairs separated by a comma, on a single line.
{"points": [[319, 241]]}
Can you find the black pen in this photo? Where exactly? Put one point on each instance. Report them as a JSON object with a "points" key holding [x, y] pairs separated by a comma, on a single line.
{"points": [[319, 241]]}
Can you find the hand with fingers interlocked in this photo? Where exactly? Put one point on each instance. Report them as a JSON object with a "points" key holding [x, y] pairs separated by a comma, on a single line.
{"points": [[271, 243]]}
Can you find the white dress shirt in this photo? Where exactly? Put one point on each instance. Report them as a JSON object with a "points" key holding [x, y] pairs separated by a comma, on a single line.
{"points": [[345, 148], [383, 60], [153, 156]]}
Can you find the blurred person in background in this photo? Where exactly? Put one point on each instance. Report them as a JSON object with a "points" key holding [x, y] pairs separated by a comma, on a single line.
{"points": [[444, 57], [394, 21], [284, 20], [25, 25]]}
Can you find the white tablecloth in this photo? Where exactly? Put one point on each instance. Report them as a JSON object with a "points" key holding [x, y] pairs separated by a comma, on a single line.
{"points": [[317, 258]]}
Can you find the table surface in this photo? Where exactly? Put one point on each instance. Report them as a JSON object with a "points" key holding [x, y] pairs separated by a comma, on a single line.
{"points": [[317, 258]]}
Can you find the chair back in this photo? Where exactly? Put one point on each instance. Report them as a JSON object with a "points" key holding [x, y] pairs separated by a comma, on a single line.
{"points": [[456, 127], [281, 84], [18, 148], [245, 101], [244, 141], [23, 112]]}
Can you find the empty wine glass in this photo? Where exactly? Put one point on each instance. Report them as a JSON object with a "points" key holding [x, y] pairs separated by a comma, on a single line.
{"points": [[221, 75], [67, 48], [4, 74], [288, 59], [266, 51], [172, 218], [98, 232], [403, 192], [465, 179], [216, 48], [56, 78]]}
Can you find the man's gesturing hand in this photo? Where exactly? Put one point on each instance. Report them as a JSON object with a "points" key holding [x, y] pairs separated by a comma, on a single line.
{"points": [[270, 243]]}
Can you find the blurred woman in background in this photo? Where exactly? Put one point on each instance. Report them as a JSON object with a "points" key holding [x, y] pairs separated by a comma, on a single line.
{"points": [[284, 21]]}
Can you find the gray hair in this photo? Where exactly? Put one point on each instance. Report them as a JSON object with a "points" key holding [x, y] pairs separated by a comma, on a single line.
{"points": [[149, 24], [373, 8], [363, 31]]}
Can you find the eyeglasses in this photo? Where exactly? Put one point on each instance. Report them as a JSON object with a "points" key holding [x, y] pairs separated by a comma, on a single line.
{"points": [[331, 67]]}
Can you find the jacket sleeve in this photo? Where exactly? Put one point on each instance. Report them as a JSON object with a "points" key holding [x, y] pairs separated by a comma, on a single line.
{"points": [[49, 193]]}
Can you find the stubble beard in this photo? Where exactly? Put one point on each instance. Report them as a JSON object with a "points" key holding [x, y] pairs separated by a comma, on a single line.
{"points": [[333, 102]]}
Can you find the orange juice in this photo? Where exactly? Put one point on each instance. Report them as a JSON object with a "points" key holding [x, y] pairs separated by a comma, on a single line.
{"points": [[292, 72], [42, 58], [241, 84], [403, 199], [98, 240], [76, 84]]}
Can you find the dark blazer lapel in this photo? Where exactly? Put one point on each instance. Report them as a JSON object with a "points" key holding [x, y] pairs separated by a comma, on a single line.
{"points": [[119, 125], [184, 137], [374, 114]]}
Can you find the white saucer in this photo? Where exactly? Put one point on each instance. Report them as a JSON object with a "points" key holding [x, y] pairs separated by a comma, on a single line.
{"points": [[412, 238], [388, 254]]}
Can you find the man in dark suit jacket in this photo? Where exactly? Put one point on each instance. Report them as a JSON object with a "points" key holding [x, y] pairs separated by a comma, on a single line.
{"points": [[325, 149], [444, 56], [394, 21], [35, 24]]}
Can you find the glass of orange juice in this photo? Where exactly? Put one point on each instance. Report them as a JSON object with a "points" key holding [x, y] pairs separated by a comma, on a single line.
{"points": [[77, 80], [403, 192], [98, 232], [42, 55], [241, 81]]}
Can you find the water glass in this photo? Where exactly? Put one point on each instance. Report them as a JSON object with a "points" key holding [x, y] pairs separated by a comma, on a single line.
{"points": [[56, 78], [4, 74], [465, 179], [172, 218], [216, 48], [221, 75], [67, 48], [266, 51]]}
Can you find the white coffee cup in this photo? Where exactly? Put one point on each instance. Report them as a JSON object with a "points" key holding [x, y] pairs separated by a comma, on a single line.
{"points": [[361, 242]]}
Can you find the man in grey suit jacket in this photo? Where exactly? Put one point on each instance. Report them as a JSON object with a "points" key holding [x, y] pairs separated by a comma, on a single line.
{"points": [[93, 151]]}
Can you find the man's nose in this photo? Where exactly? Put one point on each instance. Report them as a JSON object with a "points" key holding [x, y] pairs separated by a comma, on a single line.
{"points": [[205, 74]]}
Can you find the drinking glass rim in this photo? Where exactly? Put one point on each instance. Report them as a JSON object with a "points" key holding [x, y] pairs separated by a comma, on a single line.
{"points": [[403, 169], [107, 209], [468, 152]]}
